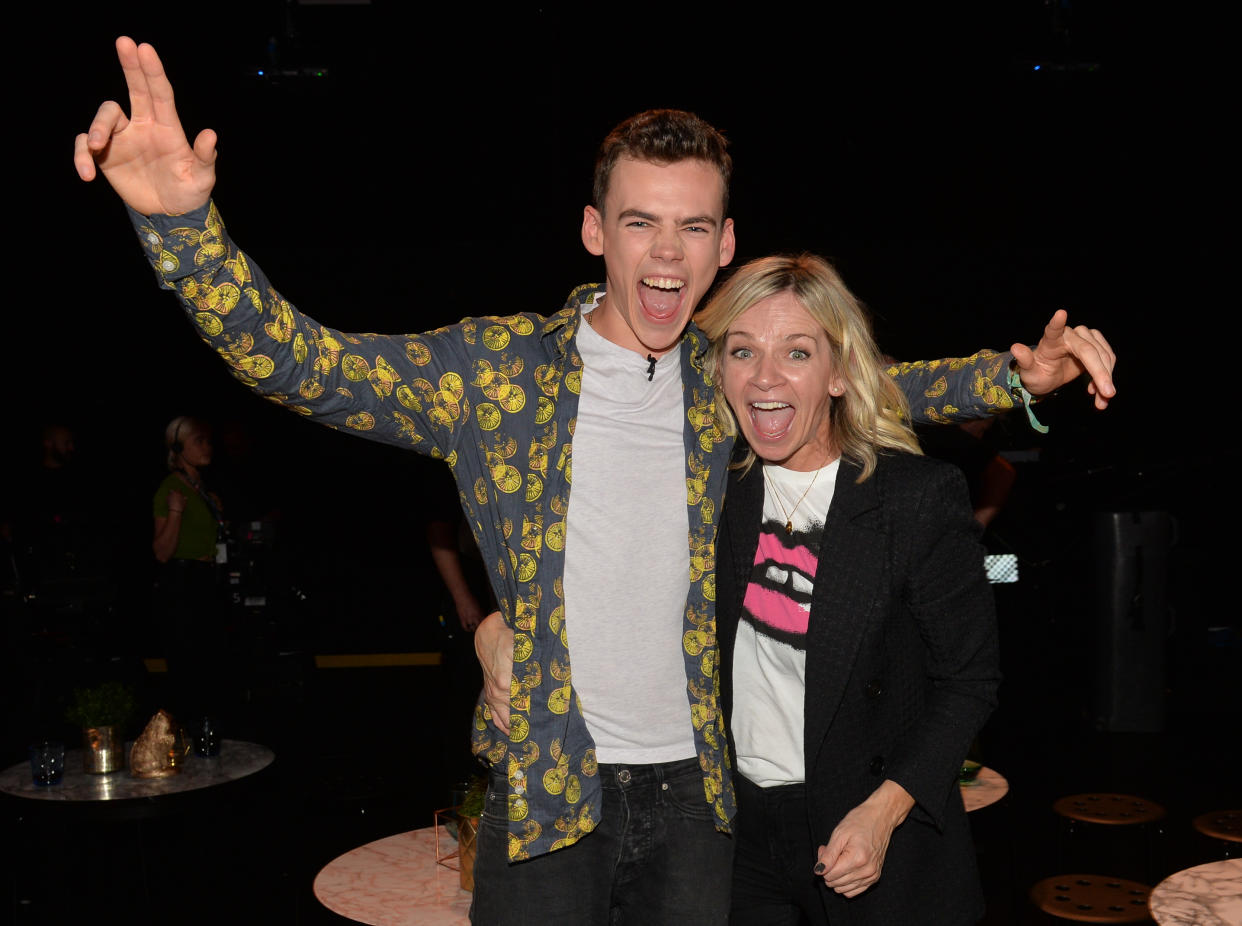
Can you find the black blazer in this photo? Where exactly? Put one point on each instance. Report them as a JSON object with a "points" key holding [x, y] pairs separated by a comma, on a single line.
{"points": [[902, 668]]}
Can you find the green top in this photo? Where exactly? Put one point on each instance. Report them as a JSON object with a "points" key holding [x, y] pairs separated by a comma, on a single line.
{"points": [[197, 537]]}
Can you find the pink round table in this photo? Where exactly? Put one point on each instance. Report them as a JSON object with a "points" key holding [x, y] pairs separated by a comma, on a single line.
{"points": [[395, 881], [1206, 895], [988, 787]]}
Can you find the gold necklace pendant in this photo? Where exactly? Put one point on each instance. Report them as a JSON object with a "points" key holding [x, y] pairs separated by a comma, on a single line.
{"points": [[789, 514]]}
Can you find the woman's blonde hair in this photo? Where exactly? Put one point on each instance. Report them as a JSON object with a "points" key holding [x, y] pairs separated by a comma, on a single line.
{"points": [[871, 413], [178, 431]]}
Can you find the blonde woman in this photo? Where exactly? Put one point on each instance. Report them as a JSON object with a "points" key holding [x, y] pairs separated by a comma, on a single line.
{"points": [[857, 634], [187, 542]]}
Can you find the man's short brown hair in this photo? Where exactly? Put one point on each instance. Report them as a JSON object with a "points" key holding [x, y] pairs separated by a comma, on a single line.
{"points": [[662, 136]]}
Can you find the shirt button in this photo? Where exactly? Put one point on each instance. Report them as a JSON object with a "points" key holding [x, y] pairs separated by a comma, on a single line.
{"points": [[874, 688], [877, 765], [623, 776]]}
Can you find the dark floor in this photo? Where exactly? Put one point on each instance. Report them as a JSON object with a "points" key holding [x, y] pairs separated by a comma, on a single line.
{"points": [[365, 753]]}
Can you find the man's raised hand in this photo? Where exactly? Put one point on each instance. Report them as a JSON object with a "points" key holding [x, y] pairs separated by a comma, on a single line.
{"points": [[146, 156], [1062, 355]]}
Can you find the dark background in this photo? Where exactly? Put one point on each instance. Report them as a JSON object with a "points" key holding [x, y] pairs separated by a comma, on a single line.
{"points": [[391, 172], [439, 168], [396, 167], [394, 172]]}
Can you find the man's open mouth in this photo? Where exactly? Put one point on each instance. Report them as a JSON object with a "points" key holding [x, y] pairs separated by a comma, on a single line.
{"points": [[661, 296]]}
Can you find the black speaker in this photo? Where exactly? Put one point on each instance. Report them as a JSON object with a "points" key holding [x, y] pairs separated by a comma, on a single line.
{"points": [[1132, 577]]}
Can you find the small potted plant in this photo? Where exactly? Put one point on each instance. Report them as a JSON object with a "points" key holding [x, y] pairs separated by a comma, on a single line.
{"points": [[468, 815], [102, 712]]}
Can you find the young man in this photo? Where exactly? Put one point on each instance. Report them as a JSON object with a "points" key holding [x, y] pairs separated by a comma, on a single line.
{"points": [[611, 791]]}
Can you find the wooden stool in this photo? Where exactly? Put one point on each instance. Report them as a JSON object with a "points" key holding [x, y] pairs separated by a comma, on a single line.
{"points": [[1225, 825], [1092, 899], [1112, 810]]}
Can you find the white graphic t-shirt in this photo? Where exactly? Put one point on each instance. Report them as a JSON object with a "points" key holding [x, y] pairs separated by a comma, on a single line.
{"points": [[769, 659]]}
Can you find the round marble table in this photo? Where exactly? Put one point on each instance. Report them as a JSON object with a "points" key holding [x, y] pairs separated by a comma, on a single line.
{"points": [[237, 759], [1206, 895], [988, 787], [396, 882]]}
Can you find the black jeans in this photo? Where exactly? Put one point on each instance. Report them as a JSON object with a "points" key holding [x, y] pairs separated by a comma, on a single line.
{"points": [[773, 880], [655, 858]]}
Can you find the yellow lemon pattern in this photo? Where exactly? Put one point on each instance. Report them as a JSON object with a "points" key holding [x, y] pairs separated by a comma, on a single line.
{"points": [[943, 391], [498, 397]]}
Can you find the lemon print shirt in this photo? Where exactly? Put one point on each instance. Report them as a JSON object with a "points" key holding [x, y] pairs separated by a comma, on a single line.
{"points": [[497, 398]]}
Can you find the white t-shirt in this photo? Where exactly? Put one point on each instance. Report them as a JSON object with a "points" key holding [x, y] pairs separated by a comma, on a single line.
{"points": [[769, 657], [627, 555]]}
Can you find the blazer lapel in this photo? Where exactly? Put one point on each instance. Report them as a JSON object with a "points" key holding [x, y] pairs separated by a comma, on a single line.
{"points": [[848, 580], [743, 513]]}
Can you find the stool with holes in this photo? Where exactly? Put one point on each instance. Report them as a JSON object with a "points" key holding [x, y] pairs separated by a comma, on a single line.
{"points": [[1110, 812], [1092, 899], [1224, 825]]}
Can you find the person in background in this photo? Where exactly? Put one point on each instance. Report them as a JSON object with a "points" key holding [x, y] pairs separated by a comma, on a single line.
{"points": [[54, 517], [466, 600], [989, 476], [189, 545]]}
